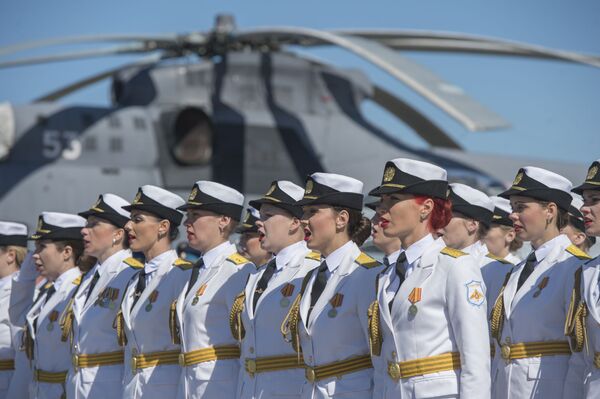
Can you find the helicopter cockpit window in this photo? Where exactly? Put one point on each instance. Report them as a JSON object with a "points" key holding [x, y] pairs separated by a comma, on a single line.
{"points": [[193, 138]]}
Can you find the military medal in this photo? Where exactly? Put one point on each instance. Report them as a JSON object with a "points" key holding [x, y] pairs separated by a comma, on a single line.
{"points": [[335, 302], [287, 292], [414, 297], [541, 286], [151, 299], [199, 293], [53, 316]]}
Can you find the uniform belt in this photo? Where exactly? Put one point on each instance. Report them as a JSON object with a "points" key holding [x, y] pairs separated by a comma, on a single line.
{"points": [[273, 363], [524, 350], [50, 377], [153, 359], [427, 365], [209, 354], [597, 360], [338, 369], [97, 359], [8, 364]]}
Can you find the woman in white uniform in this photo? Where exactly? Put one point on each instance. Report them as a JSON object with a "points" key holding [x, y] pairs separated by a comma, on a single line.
{"points": [[146, 321], [575, 228], [87, 323], [250, 239], [270, 368], [390, 246], [328, 319], [528, 318], [501, 239], [583, 325], [429, 327], [58, 248], [209, 353], [13, 249]]}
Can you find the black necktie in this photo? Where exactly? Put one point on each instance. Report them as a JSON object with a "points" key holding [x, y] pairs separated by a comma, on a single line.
{"points": [[386, 262], [92, 285], [399, 269], [195, 273], [527, 269], [140, 286], [49, 293], [318, 287], [264, 281]]}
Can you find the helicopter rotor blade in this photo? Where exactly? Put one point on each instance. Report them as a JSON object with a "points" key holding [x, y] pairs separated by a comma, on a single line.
{"points": [[90, 80], [418, 122], [111, 51], [454, 42], [160, 41], [449, 98]]}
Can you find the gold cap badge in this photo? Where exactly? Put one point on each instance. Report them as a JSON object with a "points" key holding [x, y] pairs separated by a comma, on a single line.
{"points": [[193, 193], [137, 198], [592, 172], [309, 187], [389, 174], [273, 186], [518, 179]]}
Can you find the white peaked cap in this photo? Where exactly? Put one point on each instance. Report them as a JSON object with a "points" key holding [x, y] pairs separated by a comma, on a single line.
{"points": [[548, 178], [341, 183], [116, 203], [162, 196], [501, 203], [63, 220], [420, 169], [472, 196], [221, 192], [13, 229], [291, 189]]}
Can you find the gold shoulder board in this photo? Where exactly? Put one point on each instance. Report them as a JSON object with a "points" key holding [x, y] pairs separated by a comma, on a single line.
{"points": [[499, 259], [455, 253], [314, 255], [183, 264], [77, 281], [133, 262], [573, 250], [366, 261], [237, 259]]}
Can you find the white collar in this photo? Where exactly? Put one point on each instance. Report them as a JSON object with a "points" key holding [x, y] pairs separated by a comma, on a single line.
{"points": [[117, 256], [478, 247], [5, 280], [153, 265], [210, 256], [544, 250], [284, 256], [393, 257], [416, 250], [335, 258], [67, 276]]}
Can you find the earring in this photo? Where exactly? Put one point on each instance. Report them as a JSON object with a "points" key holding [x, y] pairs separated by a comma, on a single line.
{"points": [[422, 217], [114, 240]]}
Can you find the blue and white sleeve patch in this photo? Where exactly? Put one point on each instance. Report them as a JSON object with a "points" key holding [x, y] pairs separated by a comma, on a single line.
{"points": [[475, 293]]}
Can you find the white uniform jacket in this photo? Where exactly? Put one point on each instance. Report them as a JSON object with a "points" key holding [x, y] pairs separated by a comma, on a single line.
{"points": [[148, 330], [9, 333], [50, 353], [536, 313], [446, 288], [263, 325], [93, 331], [589, 359], [337, 333], [204, 322]]}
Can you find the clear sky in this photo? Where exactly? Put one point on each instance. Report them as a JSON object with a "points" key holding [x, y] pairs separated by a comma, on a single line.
{"points": [[554, 107]]}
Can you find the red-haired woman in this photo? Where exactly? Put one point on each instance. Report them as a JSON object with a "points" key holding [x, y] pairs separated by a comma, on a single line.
{"points": [[430, 311]]}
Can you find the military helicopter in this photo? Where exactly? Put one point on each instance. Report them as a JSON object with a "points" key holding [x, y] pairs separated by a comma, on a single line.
{"points": [[245, 111]]}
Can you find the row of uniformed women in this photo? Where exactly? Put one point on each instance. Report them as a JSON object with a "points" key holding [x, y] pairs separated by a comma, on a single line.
{"points": [[330, 323]]}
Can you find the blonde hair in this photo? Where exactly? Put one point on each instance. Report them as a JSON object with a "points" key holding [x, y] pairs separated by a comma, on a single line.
{"points": [[20, 253]]}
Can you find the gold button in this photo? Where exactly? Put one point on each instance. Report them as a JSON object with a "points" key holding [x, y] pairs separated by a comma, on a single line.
{"points": [[251, 366], [310, 375], [182, 359], [75, 360], [134, 365], [394, 371], [505, 350], [251, 349]]}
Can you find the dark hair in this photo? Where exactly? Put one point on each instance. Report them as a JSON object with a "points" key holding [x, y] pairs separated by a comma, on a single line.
{"points": [[440, 215], [76, 246], [482, 231], [173, 231], [359, 227]]}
